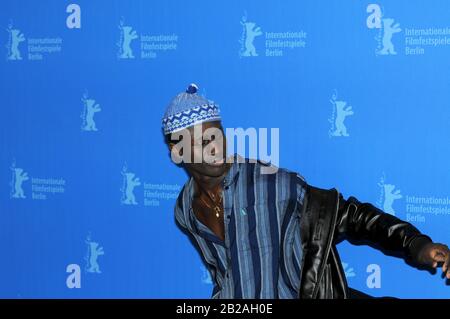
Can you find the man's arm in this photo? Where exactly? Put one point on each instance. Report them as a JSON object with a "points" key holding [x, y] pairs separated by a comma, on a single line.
{"points": [[363, 221]]}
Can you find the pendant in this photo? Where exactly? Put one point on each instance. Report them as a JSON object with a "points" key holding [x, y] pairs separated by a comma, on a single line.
{"points": [[217, 209]]}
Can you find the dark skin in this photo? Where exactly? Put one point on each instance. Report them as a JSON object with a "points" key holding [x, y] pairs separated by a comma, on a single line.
{"points": [[208, 180]]}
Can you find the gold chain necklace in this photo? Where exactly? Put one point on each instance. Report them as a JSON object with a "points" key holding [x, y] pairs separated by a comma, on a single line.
{"points": [[217, 206]]}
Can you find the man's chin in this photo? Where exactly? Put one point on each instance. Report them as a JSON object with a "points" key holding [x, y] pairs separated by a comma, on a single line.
{"points": [[213, 169]]}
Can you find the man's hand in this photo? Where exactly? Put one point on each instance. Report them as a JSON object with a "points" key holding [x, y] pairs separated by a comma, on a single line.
{"points": [[434, 254]]}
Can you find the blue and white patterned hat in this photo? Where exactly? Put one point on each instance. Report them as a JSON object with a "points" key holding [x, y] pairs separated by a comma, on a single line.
{"points": [[188, 109]]}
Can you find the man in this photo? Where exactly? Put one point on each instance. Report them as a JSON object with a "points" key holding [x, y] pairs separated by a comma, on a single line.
{"points": [[264, 232]]}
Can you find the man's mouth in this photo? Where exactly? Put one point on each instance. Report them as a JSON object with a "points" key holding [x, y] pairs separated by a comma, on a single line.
{"points": [[216, 162]]}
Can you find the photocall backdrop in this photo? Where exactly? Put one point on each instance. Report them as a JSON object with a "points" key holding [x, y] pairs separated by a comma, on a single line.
{"points": [[359, 91]]}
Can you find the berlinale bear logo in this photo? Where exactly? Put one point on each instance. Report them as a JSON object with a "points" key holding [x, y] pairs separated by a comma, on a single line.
{"points": [[249, 32], [89, 110], [340, 112], [15, 38], [387, 29], [93, 252], [127, 34], [130, 182], [388, 195], [18, 177]]}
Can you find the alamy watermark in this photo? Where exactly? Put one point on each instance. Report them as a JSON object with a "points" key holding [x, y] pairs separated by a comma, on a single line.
{"points": [[208, 146]]}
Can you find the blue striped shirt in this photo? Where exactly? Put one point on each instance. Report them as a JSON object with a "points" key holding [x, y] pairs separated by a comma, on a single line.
{"points": [[262, 252]]}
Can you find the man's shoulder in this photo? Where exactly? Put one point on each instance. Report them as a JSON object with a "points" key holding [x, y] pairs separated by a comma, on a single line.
{"points": [[180, 205], [183, 192], [182, 199]]}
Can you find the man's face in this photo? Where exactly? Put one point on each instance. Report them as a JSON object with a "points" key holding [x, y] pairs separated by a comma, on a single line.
{"points": [[202, 149]]}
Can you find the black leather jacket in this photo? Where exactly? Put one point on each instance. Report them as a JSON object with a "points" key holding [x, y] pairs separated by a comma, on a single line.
{"points": [[327, 219]]}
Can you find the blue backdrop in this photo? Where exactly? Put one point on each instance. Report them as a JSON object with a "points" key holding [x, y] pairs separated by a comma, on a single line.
{"points": [[358, 89]]}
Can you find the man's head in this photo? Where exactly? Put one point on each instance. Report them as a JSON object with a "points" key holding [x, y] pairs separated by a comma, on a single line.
{"points": [[194, 134]]}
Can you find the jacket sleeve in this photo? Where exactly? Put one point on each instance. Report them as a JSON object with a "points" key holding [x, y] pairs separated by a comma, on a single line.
{"points": [[365, 222]]}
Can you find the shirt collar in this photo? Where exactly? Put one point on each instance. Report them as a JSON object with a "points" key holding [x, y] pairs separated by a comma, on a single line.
{"points": [[233, 172]]}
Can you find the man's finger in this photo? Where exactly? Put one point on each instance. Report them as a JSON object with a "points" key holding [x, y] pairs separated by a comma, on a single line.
{"points": [[446, 266], [439, 257]]}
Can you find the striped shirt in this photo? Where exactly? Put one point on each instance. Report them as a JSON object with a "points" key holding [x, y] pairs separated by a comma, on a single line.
{"points": [[262, 252]]}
